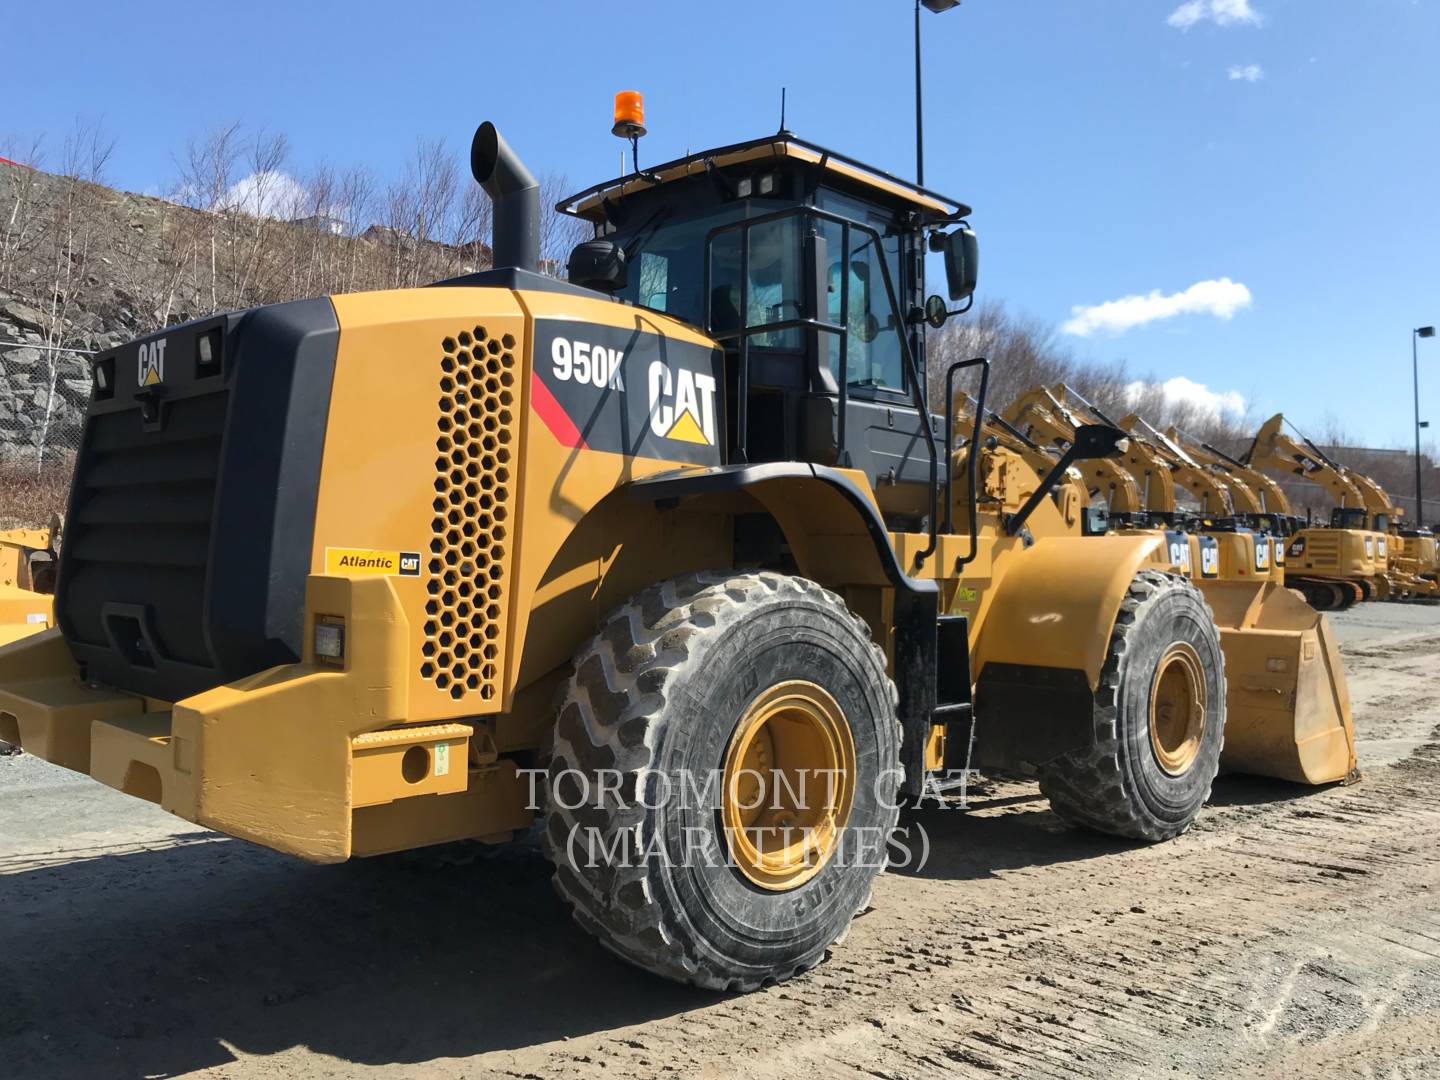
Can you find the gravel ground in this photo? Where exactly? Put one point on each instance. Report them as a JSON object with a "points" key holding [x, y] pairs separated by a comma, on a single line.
{"points": [[1292, 933]]}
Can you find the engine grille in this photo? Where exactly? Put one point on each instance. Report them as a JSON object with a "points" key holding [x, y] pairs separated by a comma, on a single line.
{"points": [[192, 509], [142, 514], [464, 633], [1322, 550]]}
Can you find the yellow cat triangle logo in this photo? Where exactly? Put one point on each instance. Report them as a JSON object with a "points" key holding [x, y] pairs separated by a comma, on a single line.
{"points": [[685, 429], [152, 377]]}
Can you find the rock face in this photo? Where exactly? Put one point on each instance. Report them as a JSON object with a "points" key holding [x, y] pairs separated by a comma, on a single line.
{"points": [[43, 393]]}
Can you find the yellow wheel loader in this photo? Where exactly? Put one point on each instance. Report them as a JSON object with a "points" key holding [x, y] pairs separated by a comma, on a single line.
{"points": [[27, 578], [1337, 565], [672, 554], [1265, 628]]}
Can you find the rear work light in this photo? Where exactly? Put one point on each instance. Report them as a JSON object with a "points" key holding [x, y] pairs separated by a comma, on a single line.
{"points": [[330, 641]]}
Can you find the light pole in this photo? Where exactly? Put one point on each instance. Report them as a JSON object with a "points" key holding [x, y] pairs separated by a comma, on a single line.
{"points": [[1415, 336], [936, 6]]}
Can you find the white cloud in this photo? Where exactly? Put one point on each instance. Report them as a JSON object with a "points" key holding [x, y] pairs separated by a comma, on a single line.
{"points": [[1181, 391], [1220, 12], [1247, 73], [1220, 298], [269, 194]]}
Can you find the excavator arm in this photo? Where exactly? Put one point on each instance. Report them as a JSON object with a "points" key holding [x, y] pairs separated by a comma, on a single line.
{"points": [[1274, 449], [1252, 491], [1152, 474], [1211, 487], [1044, 419]]}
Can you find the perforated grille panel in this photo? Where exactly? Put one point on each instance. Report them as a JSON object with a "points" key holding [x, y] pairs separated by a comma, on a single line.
{"points": [[474, 482]]}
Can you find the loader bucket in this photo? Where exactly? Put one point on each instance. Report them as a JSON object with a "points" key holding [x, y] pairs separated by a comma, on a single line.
{"points": [[1288, 704]]}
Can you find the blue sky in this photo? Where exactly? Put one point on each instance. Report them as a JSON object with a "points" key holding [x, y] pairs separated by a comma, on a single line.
{"points": [[1269, 168]]}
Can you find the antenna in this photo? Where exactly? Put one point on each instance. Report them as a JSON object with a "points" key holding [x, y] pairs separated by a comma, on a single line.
{"points": [[782, 110]]}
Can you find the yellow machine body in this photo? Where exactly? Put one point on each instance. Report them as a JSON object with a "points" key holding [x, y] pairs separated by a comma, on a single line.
{"points": [[26, 606], [497, 467], [416, 733], [1288, 708]]}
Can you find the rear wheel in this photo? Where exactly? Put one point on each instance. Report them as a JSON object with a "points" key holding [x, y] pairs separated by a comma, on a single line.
{"points": [[1159, 719], [723, 778]]}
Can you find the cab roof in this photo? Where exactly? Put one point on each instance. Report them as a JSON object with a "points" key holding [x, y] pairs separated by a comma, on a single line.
{"points": [[783, 145]]}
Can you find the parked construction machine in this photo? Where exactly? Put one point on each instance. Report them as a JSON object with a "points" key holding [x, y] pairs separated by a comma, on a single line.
{"points": [[367, 572], [1239, 570], [1358, 547], [27, 579]]}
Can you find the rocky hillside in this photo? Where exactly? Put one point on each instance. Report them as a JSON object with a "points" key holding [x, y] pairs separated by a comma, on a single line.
{"points": [[84, 267]]}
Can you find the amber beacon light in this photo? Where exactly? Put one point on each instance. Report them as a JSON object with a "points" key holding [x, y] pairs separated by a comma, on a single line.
{"points": [[629, 115]]}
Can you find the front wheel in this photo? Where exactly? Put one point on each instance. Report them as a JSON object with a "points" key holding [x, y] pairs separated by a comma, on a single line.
{"points": [[723, 778], [1159, 719]]}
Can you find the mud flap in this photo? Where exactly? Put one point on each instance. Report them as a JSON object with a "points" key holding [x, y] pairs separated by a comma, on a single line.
{"points": [[1027, 715]]}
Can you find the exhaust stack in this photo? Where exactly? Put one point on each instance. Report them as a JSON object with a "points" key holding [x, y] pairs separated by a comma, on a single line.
{"points": [[515, 236]]}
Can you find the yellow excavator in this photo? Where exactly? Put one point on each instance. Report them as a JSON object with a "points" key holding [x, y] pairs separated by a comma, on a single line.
{"points": [[1352, 552], [1258, 500], [1412, 568], [670, 554]]}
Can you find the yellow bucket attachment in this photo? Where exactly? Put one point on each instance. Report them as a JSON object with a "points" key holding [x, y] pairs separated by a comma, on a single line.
{"points": [[1288, 704]]}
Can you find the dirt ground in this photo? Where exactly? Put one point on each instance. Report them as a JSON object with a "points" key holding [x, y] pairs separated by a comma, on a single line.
{"points": [[1291, 933]]}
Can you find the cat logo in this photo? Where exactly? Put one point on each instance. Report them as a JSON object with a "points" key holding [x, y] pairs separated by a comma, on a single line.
{"points": [[151, 363], [1209, 558], [682, 404], [1180, 554]]}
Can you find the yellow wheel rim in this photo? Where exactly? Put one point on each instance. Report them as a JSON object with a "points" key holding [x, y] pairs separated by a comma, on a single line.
{"points": [[789, 785], [1177, 709]]}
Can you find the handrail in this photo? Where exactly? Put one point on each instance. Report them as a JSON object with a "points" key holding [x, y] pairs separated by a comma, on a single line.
{"points": [[971, 458]]}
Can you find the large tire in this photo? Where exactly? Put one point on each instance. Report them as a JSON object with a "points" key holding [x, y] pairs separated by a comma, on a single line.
{"points": [[1130, 783], [660, 692]]}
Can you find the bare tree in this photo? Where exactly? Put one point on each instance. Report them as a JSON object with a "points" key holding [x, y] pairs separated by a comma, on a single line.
{"points": [[21, 221], [559, 233], [76, 218]]}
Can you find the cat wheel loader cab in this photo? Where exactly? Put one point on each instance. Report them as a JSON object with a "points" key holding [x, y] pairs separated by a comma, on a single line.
{"points": [[368, 572], [27, 580]]}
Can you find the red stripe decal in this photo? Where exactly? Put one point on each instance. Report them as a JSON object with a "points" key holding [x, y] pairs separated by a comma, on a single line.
{"points": [[555, 417]]}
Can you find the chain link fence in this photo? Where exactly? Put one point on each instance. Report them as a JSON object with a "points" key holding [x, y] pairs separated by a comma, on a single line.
{"points": [[43, 394]]}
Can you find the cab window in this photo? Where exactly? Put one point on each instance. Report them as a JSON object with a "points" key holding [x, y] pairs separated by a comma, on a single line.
{"points": [[874, 353], [873, 350], [774, 291], [667, 261]]}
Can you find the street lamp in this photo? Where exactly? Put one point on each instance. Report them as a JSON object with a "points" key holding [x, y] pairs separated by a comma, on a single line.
{"points": [[936, 6], [1415, 336]]}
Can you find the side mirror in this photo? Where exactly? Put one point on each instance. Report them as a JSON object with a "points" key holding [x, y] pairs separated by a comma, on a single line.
{"points": [[961, 250], [935, 312], [1097, 441], [598, 264]]}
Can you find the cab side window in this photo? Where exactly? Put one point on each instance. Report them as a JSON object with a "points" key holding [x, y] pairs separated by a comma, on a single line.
{"points": [[873, 351], [774, 290]]}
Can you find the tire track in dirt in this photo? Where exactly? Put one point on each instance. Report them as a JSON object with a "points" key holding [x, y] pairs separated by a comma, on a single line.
{"points": [[1286, 922], [1292, 934]]}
